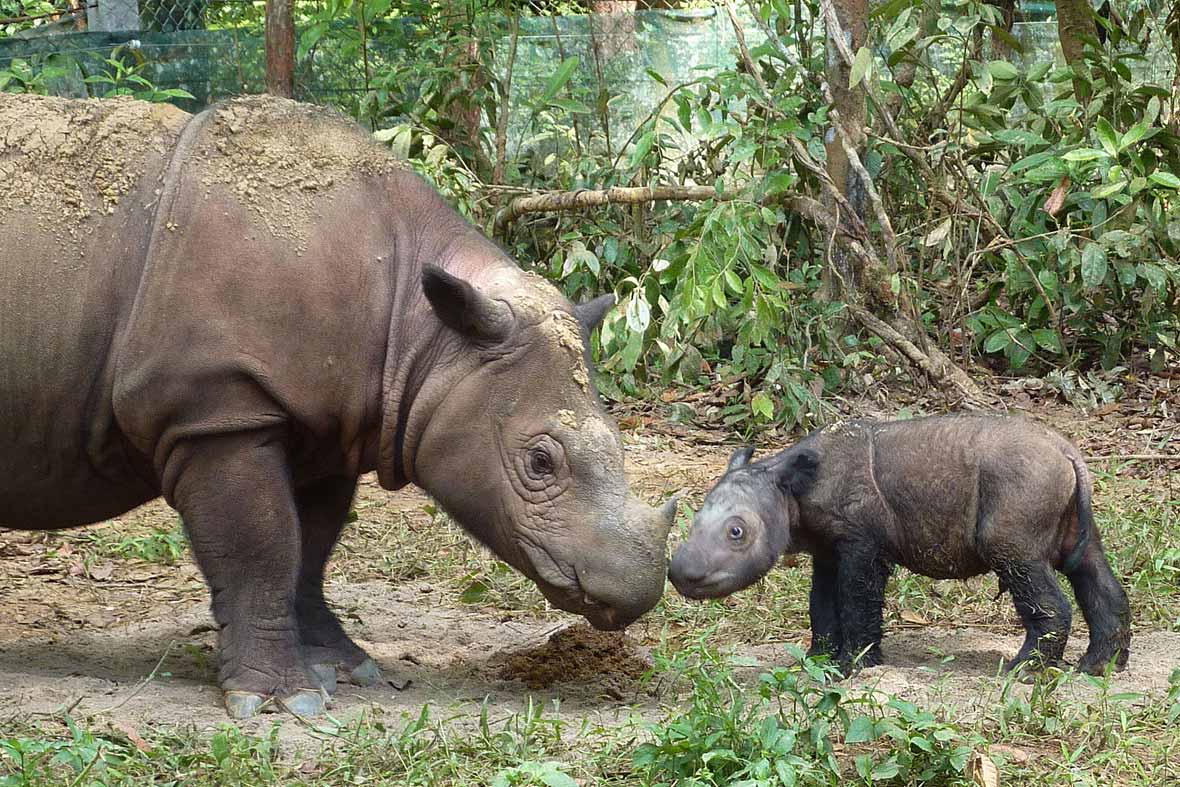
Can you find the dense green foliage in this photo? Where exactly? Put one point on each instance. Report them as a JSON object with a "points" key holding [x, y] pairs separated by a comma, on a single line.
{"points": [[1059, 251]]}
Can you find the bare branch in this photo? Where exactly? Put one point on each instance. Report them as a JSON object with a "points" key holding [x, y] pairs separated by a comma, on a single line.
{"points": [[866, 180], [747, 61], [563, 201], [933, 362]]}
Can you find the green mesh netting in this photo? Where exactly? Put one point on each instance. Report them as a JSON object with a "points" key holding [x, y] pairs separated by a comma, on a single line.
{"points": [[615, 63]]}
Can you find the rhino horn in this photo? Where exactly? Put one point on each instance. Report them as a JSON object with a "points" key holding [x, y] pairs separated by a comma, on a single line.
{"points": [[666, 514]]}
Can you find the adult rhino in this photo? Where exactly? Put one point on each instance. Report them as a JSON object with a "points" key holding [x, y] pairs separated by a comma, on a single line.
{"points": [[245, 310]]}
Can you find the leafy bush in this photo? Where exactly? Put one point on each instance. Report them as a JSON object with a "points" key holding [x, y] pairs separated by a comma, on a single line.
{"points": [[1086, 187], [786, 734], [1059, 251]]}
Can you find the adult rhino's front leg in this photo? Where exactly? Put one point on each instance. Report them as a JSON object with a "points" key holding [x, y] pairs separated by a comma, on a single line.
{"points": [[234, 494], [323, 508]]}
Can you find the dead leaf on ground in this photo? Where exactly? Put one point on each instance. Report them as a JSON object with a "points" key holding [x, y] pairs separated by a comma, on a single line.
{"points": [[913, 617], [101, 571], [1010, 753], [983, 771], [132, 735]]}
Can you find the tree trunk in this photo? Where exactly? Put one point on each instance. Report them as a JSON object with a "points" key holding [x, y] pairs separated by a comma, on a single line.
{"points": [[840, 274], [280, 48], [112, 16], [612, 25], [1074, 20], [463, 109], [1000, 50]]}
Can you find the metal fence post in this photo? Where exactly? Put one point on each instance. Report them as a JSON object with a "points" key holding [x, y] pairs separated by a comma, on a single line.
{"points": [[112, 16]]}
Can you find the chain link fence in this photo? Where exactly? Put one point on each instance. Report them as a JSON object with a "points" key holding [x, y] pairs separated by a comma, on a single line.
{"points": [[213, 49]]}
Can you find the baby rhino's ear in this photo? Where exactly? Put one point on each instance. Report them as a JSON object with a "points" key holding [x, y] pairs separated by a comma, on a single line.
{"points": [[739, 458], [796, 474]]}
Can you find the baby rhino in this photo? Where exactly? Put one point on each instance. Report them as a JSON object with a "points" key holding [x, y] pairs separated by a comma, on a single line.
{"points": [[949, 497]]}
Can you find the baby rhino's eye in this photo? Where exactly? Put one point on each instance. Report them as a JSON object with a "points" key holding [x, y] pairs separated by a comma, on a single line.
{"points": [[736, 532]]}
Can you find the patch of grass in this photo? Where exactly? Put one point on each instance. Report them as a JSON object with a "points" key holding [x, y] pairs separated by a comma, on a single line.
{"points": [[525, 748], [426, 546], [1082, 732], [796, 726], [166, 547], [800, 726], [162, 543], [1140, 525]]}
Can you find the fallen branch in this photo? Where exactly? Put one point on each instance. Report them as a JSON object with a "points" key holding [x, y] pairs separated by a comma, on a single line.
{"points": [[562, 201], [151, 676], [933, 362]]}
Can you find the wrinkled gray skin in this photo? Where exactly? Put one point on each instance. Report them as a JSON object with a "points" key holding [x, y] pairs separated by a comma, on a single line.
{"points": [[178, 344], [948, 497]]}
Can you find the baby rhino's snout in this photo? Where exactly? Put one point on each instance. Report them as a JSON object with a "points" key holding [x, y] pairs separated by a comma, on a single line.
{"points": [[688, 570]]}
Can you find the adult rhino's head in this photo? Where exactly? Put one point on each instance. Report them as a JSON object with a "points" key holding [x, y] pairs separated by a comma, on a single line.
{"points": [[518, 448]]}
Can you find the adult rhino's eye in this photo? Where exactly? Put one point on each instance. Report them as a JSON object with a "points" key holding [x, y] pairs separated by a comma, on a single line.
{"points": [[736, 532], [540, 463]]}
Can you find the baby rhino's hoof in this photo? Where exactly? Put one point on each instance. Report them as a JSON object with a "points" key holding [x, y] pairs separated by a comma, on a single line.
{"points": [[1096, 665], [246, 704]]}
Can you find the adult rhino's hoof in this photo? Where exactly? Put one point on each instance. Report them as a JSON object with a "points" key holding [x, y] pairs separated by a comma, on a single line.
{"points": [[306, 702], [244, 704], [365, 674], [325, 675]]}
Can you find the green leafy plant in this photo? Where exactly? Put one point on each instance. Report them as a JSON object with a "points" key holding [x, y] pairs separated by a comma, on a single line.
{"points": [[786, 733], [123, 76]]}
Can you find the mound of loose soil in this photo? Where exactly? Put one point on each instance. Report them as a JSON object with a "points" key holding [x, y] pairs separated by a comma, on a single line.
{"points": [[578, 654]]}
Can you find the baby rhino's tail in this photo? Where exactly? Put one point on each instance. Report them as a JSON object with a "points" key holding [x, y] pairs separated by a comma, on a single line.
{"points": [[1082, 496]]}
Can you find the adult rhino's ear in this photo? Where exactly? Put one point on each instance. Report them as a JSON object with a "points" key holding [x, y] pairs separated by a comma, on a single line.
{"points": [[797, 472], [591, 312], [463, 308], [740, 458]]}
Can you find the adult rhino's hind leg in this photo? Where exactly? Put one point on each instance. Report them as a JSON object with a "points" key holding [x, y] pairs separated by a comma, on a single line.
{"points": [[234, 494], [1043, 610], [1104, 606], [323, 508]]}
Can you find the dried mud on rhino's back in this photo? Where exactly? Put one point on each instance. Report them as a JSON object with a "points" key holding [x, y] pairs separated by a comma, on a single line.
{"points": [[66, 163], [278, 158]]}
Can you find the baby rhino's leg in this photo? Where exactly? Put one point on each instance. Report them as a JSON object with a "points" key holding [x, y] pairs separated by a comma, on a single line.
{"points": [[1104, 605], [861, 574], [824, 608], [1042, 607]]}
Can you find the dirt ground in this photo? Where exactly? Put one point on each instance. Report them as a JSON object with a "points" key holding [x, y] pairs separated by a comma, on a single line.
{"points": [[131, 643]]}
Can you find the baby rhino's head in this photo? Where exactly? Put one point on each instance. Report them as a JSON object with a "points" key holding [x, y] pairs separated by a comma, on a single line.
{"points": [[744, 524]]}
